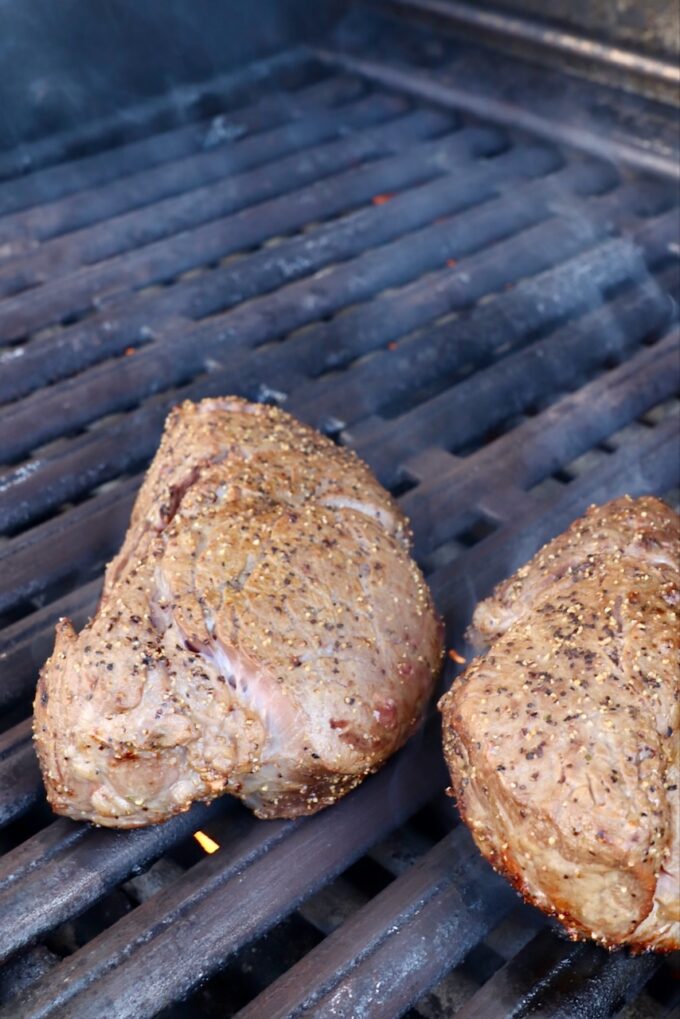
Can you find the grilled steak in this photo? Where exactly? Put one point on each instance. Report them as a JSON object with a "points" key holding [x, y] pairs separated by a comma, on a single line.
{"points": [[562, 740], [263, 631]]}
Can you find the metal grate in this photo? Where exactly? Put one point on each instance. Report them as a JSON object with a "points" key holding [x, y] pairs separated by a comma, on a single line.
{"points": [[487, 319]]}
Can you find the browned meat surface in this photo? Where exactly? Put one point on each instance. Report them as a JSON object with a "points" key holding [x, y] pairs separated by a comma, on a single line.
{"points": [[263, 631], [562, 740]]}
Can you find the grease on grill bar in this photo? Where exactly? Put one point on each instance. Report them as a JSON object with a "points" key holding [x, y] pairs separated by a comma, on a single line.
{"points": [[490, 321]]}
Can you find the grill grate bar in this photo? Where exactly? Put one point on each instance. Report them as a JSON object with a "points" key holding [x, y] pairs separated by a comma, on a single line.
{"points": [[30, 491], [102, 388], [395, 947], [227, 910], [227, 235], [288, 131], [543, 444], [542, 978], [19, 200], [19, 773], [169, 215], [511, 386], [390, 315], [460, 414], [593, 980], [53, 869], [127, 230], [648, 463], [293, 305], [87, 152], [512, 988], [100, 518], [492, 330], [37, 850], [26, 644]]}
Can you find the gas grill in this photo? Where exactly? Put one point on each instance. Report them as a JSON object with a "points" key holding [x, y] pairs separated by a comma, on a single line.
{"points": [[448, 237]]}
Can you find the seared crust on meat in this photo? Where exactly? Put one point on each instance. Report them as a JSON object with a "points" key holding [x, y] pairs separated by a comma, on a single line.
{"points": [[562, 740], [263, 631]]}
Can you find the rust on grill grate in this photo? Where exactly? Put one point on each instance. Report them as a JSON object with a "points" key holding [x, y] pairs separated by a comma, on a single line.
{"points": [[498, 340]]}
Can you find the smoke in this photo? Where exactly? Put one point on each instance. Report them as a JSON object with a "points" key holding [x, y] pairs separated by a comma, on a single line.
{"points": [[69, 62]]}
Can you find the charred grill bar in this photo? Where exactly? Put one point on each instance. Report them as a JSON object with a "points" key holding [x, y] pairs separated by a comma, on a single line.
{"points": [[485, 315]]}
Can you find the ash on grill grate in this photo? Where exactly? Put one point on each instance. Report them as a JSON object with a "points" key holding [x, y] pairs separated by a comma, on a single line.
{"points": [[490, 321]]}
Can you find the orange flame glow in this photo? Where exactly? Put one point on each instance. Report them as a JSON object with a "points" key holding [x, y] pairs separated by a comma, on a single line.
{"points": [[382, 199], [205, 842], [455, 657]]}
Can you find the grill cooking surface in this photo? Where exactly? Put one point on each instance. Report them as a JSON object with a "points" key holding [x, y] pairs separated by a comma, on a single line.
{"points": [[487, 319]]}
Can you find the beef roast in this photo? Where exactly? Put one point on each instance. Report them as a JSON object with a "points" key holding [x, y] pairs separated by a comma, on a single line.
{"points": [[562, 740], [263, 632]]}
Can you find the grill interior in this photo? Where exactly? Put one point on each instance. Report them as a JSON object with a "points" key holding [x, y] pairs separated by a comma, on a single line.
{"points": [[488, 317]]}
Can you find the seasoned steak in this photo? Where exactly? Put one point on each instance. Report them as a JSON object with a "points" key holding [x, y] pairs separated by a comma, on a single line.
{"points": [[263, 632], [562, 740]]}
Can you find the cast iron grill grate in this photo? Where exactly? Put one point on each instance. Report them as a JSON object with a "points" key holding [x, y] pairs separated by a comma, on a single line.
{"points": [[490, 320]]}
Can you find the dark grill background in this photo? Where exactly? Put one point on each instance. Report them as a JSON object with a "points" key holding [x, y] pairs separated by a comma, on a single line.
{"points": [[490, 321]]}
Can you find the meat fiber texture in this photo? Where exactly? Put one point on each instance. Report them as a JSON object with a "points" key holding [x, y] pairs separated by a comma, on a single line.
{"points": [[562, 740], [263, 632]]}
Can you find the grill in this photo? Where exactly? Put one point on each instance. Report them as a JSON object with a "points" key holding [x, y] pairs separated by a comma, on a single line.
{"points": [[477, 293]]}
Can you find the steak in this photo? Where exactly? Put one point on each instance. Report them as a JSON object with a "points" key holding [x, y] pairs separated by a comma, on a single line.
{"points": [[562, 740], [262, 632]]}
